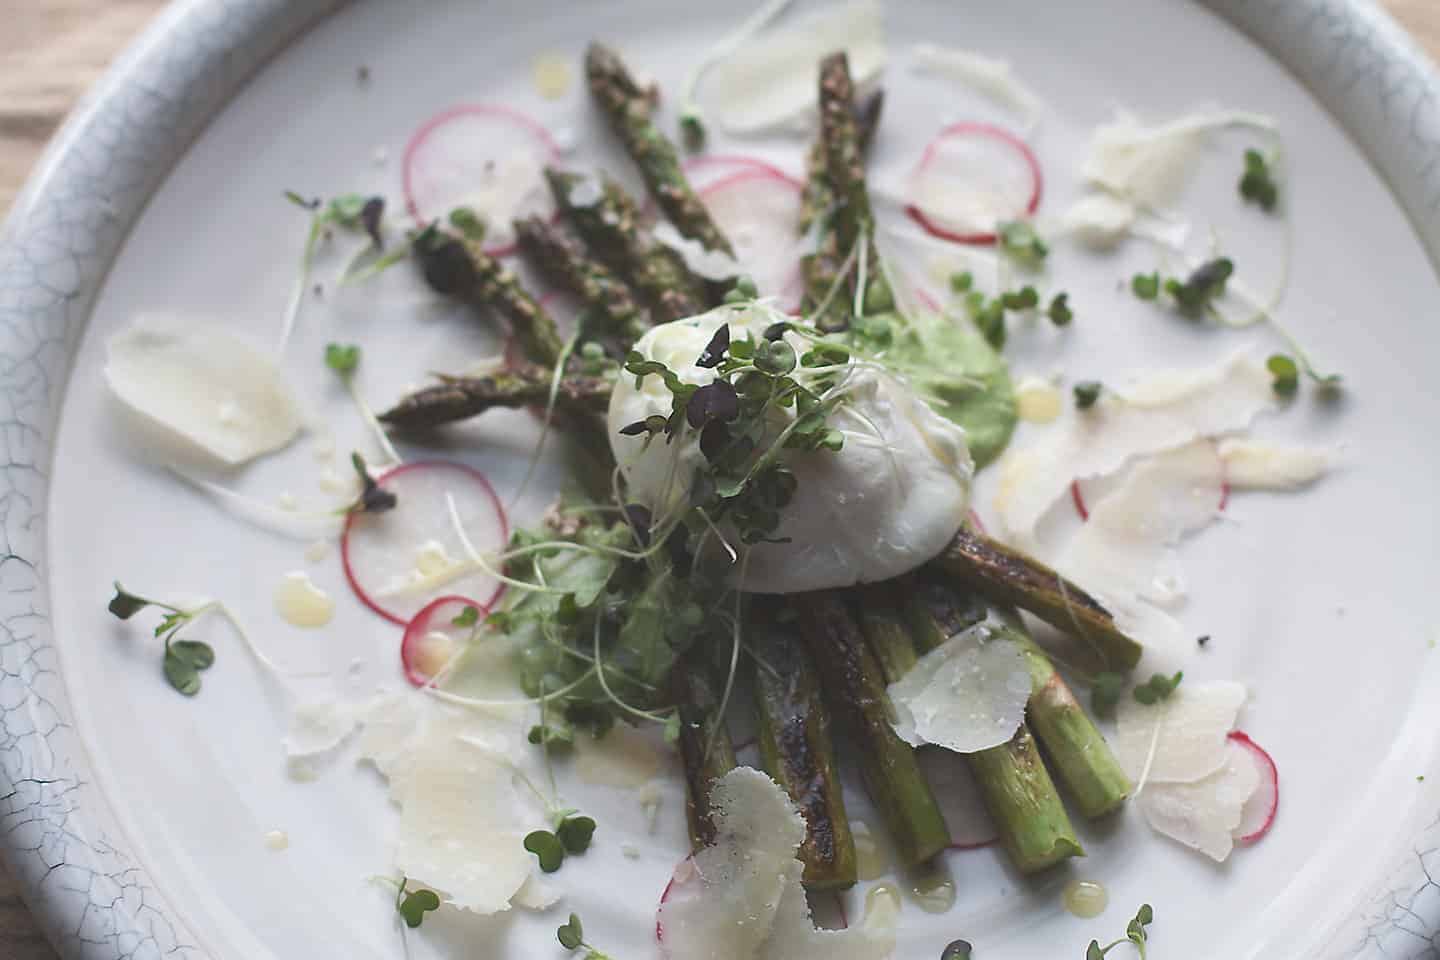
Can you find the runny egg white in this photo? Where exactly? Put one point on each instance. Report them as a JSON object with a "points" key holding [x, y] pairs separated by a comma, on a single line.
{"points": [[888, 501]]}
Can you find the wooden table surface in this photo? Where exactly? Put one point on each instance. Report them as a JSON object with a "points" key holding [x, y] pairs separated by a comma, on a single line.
{"points": [[50, 52]]}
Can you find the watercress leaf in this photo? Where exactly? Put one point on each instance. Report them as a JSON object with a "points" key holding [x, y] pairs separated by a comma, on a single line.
{"points": [[715, 440], [1093, 952], [1146, 286], [961, 282], [547, 849], [1285, 374], [775, 357], [1086, 393], [714, 351], [416, 904], [469, 223], [125, 604], [957, 950], [714, 401], [574, 834], [672, 728], [181, 674], [467, 617], [199, 655], [776, 330], [1105, 692], [299, 201], [370, 216], [571, 934]]}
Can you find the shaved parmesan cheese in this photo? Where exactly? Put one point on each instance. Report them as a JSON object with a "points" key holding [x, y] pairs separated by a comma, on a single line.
{"points": [[742, 897], [1191, 743], [1205, 814], [1250, 465], [770, 82], [1126, 549], [1099, 220], [710, 264], [319, 727], [536, 894], [1164, 412], [460, 830], [1149, 165], [985, 75], [206, 386], [295, 524], [966, 695]]}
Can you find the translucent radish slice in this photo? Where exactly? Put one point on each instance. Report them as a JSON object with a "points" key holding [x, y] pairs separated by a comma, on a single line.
{"points": [[433, 638], [486, 157], [970, 178], [399, 561], [1258, 816], [959, 797], [757, 208]]}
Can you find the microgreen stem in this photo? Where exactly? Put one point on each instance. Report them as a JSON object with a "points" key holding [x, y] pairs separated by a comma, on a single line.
{"points": [[599, 669], [555, 377]]}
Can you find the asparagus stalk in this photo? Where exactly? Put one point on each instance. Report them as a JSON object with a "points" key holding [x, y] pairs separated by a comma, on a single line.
{"points": [[609, 222], [458, 268], [458, 398], [818, 196], [705, 748], [1014, 579], [1082, 758], [561, 259], [630, 108], [796, 750], [844, 159], [1014, 783], [854, 688]]}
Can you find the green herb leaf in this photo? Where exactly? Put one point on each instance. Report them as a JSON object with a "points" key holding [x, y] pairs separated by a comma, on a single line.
{"points": [[552, 735], [1023, 299], [547, 849], [1093, 952], [957, 950], [574, 834], [373, 497], [571, 934], [1157, 688], [775, 357], [1146, 286], [1020, 242], [1059, 311], [125, 604], [672, 728], [343, 358], [1257, 182], [416, 904], [1086, 393], [181, 674], [301, 202], [961, 282], [1199, 289], [466, 618], [199, 655], [468, 223], [692, 131], [1284, 373]]}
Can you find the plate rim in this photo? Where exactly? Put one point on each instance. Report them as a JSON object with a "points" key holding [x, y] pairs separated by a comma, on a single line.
{"points": [[67, 225]]}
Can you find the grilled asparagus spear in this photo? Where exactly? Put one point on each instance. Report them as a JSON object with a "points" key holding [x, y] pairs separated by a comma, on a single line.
{"points": [[458, 398], [630, 108], [705, 748], [609, 222], [795, 749], [561, 260], [1014, 579], [854, 687], [1016, 787]]}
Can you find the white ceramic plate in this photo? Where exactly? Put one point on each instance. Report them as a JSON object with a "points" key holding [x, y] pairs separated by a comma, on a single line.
{"points": [[135, 818]]}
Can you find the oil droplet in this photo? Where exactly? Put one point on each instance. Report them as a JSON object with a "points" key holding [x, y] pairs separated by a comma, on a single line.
{"points": [[872, 855], [623, 758], [630, 851], [277, 840], [317, 551], [551, 73], [301, 603], [1086, 899], [650, 798], [342, 483], [882, 906], [933, 890], [287, 500], [1037, 400]]}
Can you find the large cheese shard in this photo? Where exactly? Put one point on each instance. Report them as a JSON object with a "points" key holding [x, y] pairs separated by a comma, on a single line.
{"points": [[1206, 814], [207, 387], [1192, 728]]}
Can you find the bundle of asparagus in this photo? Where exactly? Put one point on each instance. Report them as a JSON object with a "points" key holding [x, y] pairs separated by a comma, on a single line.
{"points": [[853, 646]]}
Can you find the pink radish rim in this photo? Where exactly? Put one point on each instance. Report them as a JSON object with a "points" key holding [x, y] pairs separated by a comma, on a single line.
{"points": [[742, 176], [665, 895], [461, 110], [754, 165], [349, 570], [1259, 752], [416, 628], [988, 130]]}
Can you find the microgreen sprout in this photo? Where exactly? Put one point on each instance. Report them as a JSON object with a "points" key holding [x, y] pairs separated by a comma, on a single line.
{"points": [[1020, 242], [1105, 691], [183, 660], [572, 835], [373, 497], [468, 223], [1195, 295], [1146, 286], [692, 130], [1257, 183], [961, 282], [957, 950], [1059, 310], [343, 358], [412, 905], [1159, 687], [572, 937], [1135, 933], [1086, 393], [1284, 373]]}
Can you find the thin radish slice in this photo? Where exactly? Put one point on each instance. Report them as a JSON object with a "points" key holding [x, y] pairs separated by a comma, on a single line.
{"points": [[399, 561], [684, 873], [972, 177], [482, 156], [432, 638], [757, 208], [707, 168], [1258, 816], [959, 797]]}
